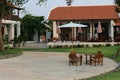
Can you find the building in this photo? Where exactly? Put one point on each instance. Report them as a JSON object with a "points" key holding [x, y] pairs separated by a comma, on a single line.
{"points": [[107, 15], [10, 22]]}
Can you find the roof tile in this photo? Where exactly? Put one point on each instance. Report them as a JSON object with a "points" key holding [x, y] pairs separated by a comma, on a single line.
{"points": [[83, 12]]}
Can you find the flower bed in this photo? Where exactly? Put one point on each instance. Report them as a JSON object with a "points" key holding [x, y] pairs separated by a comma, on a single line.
{"points": [[77, 44]]}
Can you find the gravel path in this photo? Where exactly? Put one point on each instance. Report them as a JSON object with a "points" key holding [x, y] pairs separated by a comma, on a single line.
{"points": [[49, 66]]}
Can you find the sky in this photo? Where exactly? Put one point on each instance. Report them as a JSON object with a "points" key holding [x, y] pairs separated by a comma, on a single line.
{"points": [[44, 10]]}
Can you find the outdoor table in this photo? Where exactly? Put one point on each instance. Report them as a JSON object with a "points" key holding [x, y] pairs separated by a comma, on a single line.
{"points": [[79, 57], [88, 58]]}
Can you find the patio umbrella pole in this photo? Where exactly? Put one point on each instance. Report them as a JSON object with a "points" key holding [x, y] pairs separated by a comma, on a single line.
{"points": [[72, 39]]}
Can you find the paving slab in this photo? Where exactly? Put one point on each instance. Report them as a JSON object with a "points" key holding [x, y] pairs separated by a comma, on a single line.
{"points": [[49, 66]]}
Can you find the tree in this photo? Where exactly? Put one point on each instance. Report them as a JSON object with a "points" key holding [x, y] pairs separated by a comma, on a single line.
{"points": [[31, 25], [69, 2], [117, 2], [38, 25], [28, 26], [5, 10]]}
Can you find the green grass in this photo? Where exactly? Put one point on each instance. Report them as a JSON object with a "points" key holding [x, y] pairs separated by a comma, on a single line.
{"points": [[107, 51], [10, 51], [109, 76]]}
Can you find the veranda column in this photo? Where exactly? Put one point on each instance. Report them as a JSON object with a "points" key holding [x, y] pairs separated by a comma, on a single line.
{"points": [[112, 30], [11, 32], [18, 29], [5, 30], [75, 32], [55, 29], [92, 29], [91, 25]]}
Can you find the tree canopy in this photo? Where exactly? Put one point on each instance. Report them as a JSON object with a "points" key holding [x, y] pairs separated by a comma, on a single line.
{"points": [[117, 2], [31, 25]]}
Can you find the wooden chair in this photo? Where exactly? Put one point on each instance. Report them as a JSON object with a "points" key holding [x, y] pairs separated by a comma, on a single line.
{"points": [[97, 59], [74, 59]]}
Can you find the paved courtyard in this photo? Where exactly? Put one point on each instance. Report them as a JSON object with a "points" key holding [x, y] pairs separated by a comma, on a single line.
{"points": [[49, 66]]}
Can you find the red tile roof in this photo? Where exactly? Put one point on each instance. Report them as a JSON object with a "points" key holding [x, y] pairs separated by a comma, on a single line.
{"points": [[83, 12], [117, 22]]}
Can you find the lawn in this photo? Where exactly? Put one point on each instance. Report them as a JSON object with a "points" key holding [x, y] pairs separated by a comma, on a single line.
{"points": [[107, 51]]}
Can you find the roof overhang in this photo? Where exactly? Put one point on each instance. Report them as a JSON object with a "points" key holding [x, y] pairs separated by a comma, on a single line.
{"points": [[84, 13]]}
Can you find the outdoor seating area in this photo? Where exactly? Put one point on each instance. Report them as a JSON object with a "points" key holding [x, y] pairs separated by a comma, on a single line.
{"points": [[91, 59]]}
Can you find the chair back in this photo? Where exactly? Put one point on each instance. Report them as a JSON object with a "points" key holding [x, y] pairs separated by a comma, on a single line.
{"points": [[99, 56], [72, 56]]}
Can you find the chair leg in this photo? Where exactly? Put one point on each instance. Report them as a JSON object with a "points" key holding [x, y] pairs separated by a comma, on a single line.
{"points": [[95, 63], [101, 63], [69, 63], [76, 63]]}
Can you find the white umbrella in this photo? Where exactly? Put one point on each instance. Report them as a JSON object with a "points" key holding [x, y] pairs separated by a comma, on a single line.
{"points": [[71, 24]]}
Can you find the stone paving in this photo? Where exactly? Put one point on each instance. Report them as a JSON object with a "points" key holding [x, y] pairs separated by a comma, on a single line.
{"points": [[49, 66]]}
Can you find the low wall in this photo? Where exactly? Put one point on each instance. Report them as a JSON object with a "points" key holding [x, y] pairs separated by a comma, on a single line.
{"points": [[68, 44]]}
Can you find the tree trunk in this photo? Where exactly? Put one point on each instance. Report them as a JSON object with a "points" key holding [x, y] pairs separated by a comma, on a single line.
{"points": [[1, 40], [38, 36]]}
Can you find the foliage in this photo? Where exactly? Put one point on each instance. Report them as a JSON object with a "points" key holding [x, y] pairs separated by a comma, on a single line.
{"points": [[24, 37], [69, 2], [31, 25], [27, 26], [38, 24], [18, 2], [15, 40], [5, 10], [117, 2], [40, 2], [5, 39], [20, 39]]}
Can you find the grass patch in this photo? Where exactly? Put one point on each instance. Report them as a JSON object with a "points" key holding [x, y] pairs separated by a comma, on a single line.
{"points": [[114, 75], [11, 51]]}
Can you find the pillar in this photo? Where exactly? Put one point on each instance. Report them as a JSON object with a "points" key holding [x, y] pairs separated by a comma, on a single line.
{"points": [[11, 32], [55, 29], [91, 25], [18, 29], [75, 33], [5, 30], [111, 30]]}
